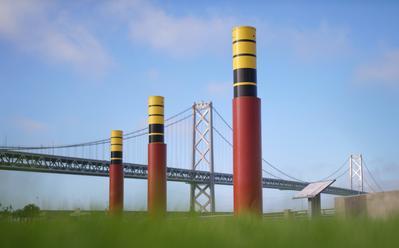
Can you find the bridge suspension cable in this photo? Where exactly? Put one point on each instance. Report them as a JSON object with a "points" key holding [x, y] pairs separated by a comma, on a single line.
{"points": [[372, 177], [342, 174], [372, 189], [264, 160], [282, 172], [231, 145], [144, 131], [129, 135], [337, 170], [294, 178]]}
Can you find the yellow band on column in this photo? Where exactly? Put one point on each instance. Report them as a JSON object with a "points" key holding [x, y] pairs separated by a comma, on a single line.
{"points": [[116, 146], [244, 61], [155, 100], [116, 141], [244, 47], [156, 119], [244, 33]]}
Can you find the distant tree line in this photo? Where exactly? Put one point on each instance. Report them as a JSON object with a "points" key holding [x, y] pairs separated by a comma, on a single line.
{"points": [[28, 212]]}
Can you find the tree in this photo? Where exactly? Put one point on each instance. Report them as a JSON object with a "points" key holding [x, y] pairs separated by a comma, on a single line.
{"points": [[30, 211], [5, 211]]}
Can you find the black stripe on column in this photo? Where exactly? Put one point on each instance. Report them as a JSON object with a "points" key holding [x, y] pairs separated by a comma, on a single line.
{"points": [[244, 54], [116, 154], [245, 90], [156, 138], [156, 128], [244, 40], [116, 161], [244, 75]]}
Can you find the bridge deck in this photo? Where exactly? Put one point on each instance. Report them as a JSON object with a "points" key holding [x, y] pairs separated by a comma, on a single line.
{"points": [[23, 161]]}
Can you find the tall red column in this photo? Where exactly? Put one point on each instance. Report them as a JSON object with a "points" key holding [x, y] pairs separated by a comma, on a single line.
{"points": [[156, 157], [247, 152], [116, 173]]}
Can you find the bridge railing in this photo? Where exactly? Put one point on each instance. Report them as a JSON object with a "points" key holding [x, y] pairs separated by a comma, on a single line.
{"points": [[22, 161]]}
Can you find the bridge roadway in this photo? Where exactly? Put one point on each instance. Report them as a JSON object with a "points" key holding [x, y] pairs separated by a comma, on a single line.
{"points": [[33, 162]]}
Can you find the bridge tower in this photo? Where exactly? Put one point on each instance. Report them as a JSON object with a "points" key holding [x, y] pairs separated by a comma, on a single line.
{"points": [[202, 195], [356, 172]]}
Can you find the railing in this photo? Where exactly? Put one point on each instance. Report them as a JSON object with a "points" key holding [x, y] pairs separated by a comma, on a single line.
{"points": [[299, 214], [23, 161]]}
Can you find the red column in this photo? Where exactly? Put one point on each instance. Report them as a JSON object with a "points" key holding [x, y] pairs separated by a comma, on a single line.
{"points": [[156, 157], [156, 178], [115, 188], [247, 155], [247, 151], [116, 173]]}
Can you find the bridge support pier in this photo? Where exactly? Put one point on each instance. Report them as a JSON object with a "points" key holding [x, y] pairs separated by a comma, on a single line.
{"points": [[116, 173], [156, 200], [247, 146]]}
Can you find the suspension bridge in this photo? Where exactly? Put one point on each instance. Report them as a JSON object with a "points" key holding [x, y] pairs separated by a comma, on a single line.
{"points": [[202, 150], [189, 135]]}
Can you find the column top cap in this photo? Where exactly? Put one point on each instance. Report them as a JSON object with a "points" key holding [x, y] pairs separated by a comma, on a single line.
{"points": [[242, 27], [116, 133], [156, 100], [244, 33]]}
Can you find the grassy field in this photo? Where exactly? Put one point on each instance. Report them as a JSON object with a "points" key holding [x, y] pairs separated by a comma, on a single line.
{"points": [[98, 230]]}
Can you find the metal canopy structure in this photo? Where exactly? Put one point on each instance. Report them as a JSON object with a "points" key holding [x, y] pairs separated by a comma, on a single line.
{"points": [[313, 189], [23, 161], [312, 192]]}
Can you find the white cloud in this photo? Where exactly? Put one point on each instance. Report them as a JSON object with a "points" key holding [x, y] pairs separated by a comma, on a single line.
{"points": [[187, 35], [217, 88], [319, 42], [41, 27], [179, 36], [383, 70], [308, 44], [30, 125], [153, 74], [37, 27]]}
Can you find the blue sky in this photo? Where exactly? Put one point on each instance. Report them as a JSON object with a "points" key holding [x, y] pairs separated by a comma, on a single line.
{"points": [[328, 77]]}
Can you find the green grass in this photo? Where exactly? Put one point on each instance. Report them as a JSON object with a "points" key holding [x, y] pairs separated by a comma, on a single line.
{"points": [[98, 230]]}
